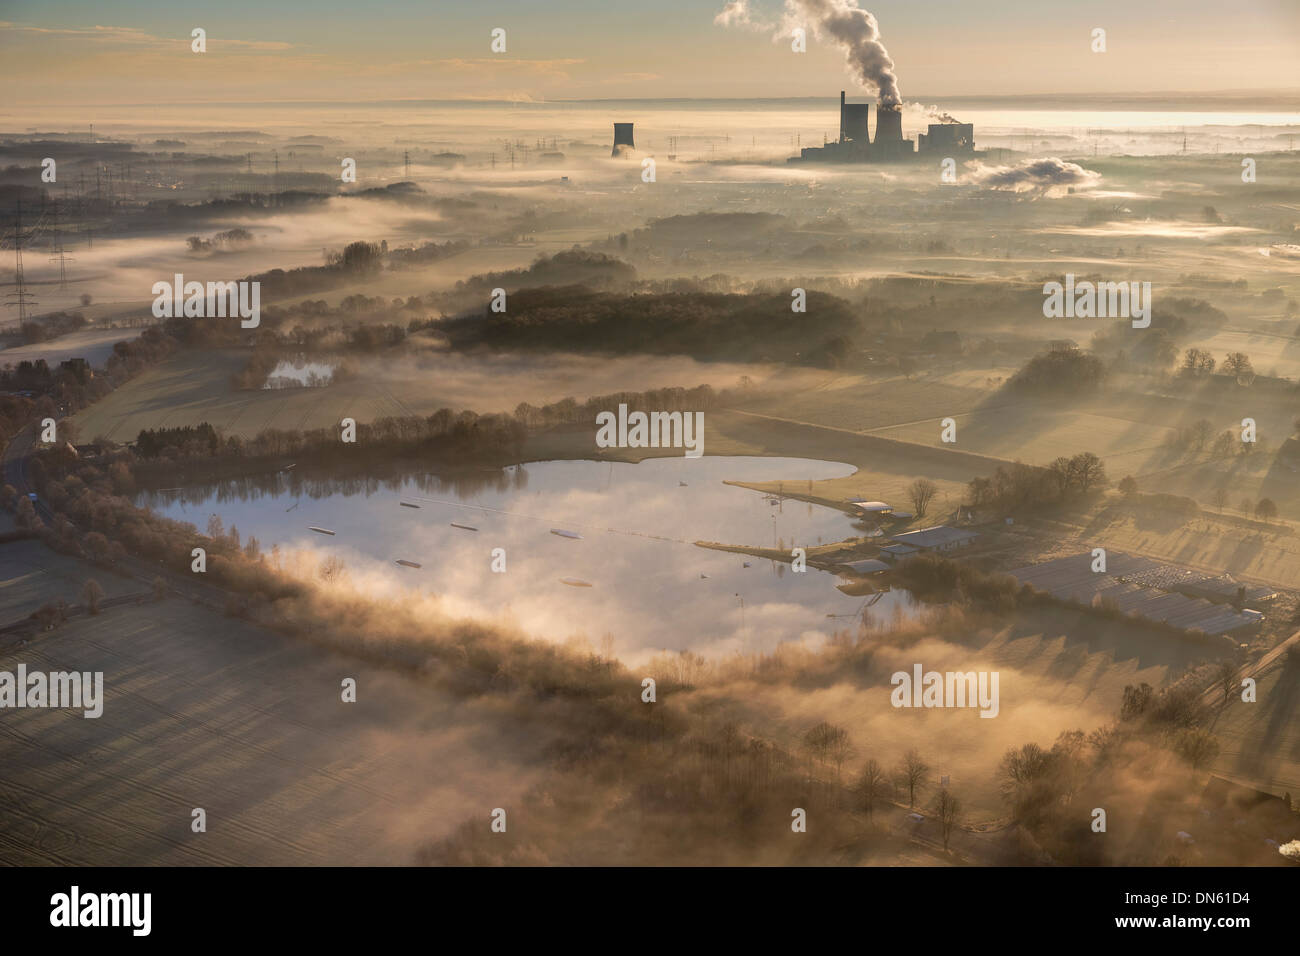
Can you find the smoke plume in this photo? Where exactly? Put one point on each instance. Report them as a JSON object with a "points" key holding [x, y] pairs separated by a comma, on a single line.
{"points": [[1049, 175], [856, 31], [843, 23]]}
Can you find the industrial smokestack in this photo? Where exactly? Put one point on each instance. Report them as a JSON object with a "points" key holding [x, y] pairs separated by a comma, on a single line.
{"points": [[856, 31], [622, 137]]}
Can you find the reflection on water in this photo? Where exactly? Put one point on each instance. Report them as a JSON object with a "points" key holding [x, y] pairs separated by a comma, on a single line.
{"points": [[651, 588]]}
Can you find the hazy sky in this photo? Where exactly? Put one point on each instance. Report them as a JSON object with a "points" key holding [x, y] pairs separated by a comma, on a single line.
{"points": [[86, 52]]}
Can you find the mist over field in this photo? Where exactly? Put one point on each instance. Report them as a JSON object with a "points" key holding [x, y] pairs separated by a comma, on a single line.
{"points": [[419, 562]]}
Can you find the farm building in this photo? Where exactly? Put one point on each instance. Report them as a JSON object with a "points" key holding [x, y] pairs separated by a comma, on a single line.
{"points": [[939, 538], [864, 567], [896, 552], [872, 508], [1126, 585]]}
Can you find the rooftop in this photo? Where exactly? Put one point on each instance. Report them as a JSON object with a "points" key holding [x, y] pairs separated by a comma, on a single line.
{"points": [[935, 537], [1128, 583], [865, 566]]}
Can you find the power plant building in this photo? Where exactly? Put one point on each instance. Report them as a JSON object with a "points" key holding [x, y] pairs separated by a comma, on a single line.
{"points": [[855, 146], [947, 139], [853, 122]]}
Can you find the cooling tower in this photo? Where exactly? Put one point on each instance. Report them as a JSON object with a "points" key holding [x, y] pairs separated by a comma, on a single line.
{"points": [[889, 126], [622, 137]]}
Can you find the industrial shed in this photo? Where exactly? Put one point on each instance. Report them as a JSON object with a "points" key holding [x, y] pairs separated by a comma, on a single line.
{"points": [[1124, 586]]}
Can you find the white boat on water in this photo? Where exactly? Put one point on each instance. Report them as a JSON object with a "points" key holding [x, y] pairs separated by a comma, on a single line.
{"points": [[322, 531]]}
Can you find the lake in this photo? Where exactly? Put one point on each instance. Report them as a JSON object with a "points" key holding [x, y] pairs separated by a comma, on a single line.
{"points": [[633, 573]]}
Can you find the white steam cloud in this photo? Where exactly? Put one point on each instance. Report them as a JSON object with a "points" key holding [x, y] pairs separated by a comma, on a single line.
{"points": [[734, 14], [1049, 175], [841, 22]]}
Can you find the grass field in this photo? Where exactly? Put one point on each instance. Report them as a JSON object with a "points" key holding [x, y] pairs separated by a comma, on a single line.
{"points": [[194, 387], [206, 711], [94, 345], [31, 574], [1261, 741]]}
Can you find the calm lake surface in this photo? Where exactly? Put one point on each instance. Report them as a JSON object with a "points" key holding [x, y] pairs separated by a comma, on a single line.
{"points": [[650, 587]]}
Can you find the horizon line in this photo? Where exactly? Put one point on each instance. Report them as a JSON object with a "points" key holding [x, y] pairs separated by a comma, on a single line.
{"points": [[1241, 92]]}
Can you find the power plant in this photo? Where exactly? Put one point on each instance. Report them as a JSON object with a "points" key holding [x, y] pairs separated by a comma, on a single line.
{"points": [[855, 146], [622, 137]]}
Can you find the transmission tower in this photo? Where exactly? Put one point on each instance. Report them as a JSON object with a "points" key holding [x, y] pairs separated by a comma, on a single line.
{"points": [[61, 258], [22, 298]]}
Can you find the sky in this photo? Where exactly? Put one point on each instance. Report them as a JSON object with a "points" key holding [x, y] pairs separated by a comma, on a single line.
{"points": [[101, 52]]}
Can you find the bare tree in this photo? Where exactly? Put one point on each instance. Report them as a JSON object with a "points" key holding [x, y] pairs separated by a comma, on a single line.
{"points": [[1062, 472], [949, 811], [1220, 497], [1089, 471], [871, 785], [1224, 445], [1237, 364], [92, 594], [1196, 747], [1265, 510], [921, 492], [1199, 434], [332, 569], [827, 742], [1227, 679], [840, 749], [914, 772]]}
